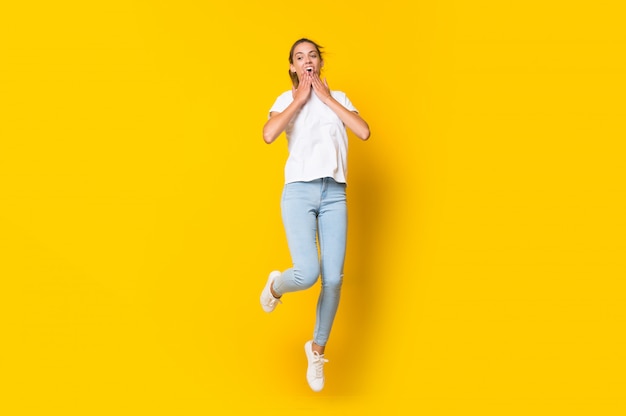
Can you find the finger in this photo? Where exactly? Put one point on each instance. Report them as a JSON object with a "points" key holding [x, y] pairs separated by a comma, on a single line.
{"points": [[316, 81], [318, 85], [306, 79]]}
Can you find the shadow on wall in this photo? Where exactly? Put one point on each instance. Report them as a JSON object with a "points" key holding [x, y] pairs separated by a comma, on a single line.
{"points": [[371, 208]]}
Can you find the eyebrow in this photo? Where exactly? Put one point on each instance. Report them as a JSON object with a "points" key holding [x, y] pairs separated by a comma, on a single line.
{"points": [[302, 53]]}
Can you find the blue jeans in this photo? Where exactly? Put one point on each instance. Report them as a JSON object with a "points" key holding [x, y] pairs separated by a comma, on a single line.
{"points": [[315, 209]]}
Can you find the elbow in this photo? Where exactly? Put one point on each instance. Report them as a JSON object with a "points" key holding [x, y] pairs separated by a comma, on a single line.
{"points": [[362, 130], [364, 134], [268, 137]]}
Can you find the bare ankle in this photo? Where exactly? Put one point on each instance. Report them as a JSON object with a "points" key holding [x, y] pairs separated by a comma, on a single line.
{"points": [[272, 291], [318, 348]]}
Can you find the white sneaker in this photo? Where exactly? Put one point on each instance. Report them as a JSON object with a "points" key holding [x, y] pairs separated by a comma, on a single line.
{"points": [[268, 301], [315, 370]]}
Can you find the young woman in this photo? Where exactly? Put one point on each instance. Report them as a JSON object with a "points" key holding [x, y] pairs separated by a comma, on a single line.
{"points": [[314, 120]]}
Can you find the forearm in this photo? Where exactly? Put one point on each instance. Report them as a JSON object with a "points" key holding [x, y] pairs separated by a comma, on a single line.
{"points": [[278, 122], [350, 119]]}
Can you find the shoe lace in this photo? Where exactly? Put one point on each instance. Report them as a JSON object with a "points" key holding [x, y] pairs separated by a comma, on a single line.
{"points": [[318, 364]]}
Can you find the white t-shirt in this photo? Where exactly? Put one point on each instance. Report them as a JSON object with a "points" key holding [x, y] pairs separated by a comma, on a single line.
{"points": [[316, 138]]}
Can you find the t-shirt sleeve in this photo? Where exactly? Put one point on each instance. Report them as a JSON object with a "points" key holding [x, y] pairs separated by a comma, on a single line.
{"points": [[281, 103], [344, 100]]}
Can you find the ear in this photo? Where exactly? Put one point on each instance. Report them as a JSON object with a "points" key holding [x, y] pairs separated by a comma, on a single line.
{"points": [[292, 68]]}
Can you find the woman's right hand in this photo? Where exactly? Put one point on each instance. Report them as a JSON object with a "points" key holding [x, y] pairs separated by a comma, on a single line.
{"points": [[278, 120], [303, 92]]}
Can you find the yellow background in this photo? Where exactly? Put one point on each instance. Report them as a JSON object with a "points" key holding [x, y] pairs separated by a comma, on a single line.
{"points": [[139, 208]]}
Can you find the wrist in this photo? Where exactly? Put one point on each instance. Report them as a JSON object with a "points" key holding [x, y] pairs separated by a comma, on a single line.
{"points": [[300, 100]]}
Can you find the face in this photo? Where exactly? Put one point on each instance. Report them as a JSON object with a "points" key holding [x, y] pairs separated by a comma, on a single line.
{"points": [[306, 58]]}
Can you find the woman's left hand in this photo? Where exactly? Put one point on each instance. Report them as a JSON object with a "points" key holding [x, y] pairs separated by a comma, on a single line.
{"points": [[320, 88]]}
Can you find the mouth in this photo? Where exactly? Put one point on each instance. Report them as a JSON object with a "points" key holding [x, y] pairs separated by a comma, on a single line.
{"points": [[309, 69]]}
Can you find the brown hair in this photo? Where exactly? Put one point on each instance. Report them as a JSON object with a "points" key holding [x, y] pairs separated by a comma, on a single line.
{"points": [[293, 75]]}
